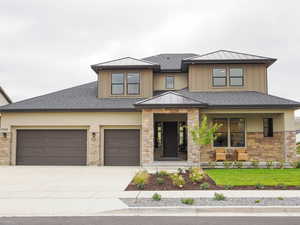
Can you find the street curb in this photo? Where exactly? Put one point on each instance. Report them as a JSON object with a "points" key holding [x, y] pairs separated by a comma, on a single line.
{"points": [[205, 210]]}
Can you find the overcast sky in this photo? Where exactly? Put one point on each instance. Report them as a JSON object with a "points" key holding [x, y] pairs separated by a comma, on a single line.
{"points": [[49, 45]]}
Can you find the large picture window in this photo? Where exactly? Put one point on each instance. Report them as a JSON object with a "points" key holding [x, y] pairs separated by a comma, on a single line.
{"points": [[268, 127], [236, 77], [219, 77], [231, 133], [117, 83], [133, 83]]}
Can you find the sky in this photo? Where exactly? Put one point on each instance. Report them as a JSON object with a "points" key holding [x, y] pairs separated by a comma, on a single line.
{"points": [[49, 45]]}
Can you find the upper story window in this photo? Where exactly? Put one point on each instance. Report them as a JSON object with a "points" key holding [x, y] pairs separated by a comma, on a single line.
{"points": [[268, 127], [170, 82], [236, 77], [219, 77], [117, 83], [133, 83]]}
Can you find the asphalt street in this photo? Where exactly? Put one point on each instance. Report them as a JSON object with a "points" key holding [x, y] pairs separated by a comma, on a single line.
{"points": [[142, 220]]}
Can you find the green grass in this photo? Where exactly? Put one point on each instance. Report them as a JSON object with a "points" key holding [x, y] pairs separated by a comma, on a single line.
{"points": [[243, 177]]}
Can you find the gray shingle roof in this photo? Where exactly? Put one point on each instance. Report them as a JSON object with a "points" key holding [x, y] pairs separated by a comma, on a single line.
{"points": [[169, 62], [81, 98]]}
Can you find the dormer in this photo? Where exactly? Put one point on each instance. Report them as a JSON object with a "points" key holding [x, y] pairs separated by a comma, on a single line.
{"points": [[126, 77], [227, 71]]}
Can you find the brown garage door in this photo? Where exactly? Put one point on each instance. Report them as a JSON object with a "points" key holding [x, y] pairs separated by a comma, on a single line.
{"points": [[51, 147], [122, 147]]}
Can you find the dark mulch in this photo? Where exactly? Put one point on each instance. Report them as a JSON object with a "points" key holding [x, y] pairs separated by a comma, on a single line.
{"points": [[153, 186]]}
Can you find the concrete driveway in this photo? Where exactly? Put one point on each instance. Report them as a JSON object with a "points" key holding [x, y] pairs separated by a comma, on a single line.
{"points": [[61, 190]]}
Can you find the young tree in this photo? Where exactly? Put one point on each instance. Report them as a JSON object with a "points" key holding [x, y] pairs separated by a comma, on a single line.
{"points": [[204, 134]]}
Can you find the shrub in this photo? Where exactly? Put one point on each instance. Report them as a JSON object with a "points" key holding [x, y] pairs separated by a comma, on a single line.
{"points": [[282, 186], [228, 187], [162, 173], [228, 164], [141, 178], [180, 170], [187, 201], [281, 164], [177, 180], [254, 163], [280, 198], [257, 201], [238, 164], [204, 186], [160, 180], [211, 164], [297, 164], [219, 197], [156, 197], [195, 175], [269, 164], [259, 186]]}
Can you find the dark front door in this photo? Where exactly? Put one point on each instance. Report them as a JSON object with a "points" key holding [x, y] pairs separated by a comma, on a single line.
{"points": [[170, 139]]}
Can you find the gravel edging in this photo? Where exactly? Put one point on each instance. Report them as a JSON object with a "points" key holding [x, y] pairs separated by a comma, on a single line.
{"points": [[171, 202]]}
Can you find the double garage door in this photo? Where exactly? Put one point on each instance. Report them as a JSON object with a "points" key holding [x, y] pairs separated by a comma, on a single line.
{"points": [[69, 147]]}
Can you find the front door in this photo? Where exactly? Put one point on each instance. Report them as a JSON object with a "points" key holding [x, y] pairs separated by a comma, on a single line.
{"points": [[170, 139]]}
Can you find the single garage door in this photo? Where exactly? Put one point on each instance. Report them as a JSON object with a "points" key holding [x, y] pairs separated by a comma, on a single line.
{"points": [[51, 147], [122, 147]]}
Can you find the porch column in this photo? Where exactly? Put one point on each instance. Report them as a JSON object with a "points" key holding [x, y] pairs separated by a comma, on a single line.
{"points": [[289, 143], [193, 149], [147, 153]]}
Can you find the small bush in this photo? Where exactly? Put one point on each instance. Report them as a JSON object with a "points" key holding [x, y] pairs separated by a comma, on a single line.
{"points": [[259, 186], [187, 201], [282, 186], [156, 197], [254, 163], [281, 164], [177, 180], [204, 186], [211, 164], [160, 180], [238, 164], [228, 187], [297, 164], [219, 197], [257, 201], [180, 170], [269, 164], [195, 175], [162, 173], [141, 178], [280, 198], [228, 164]]}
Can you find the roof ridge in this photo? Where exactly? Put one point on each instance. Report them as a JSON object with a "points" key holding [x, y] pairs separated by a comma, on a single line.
{"points": [[127, 57], [237, 52]]}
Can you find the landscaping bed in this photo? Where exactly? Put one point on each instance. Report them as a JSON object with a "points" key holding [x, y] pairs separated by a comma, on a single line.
{"points": [[224, 179], [173, 202]]}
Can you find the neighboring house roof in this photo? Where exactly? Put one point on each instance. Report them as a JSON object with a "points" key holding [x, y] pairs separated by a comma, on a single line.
{"points": [[225, 56], [126, 62], [169, 62], [5, 95], [170, 99], [84, 98]]}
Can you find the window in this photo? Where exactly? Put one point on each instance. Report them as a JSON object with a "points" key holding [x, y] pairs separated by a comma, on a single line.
{"points": [[169, 82], [117, 83], [219, 77], [237, 132], [268, 127], [222, 133], [234, 127], [236, 77], [133, 83]]}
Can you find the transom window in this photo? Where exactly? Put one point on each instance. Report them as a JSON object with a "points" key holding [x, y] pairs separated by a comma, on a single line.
{"points": [[268, 127], [231, 134], [170, 82], [133, 83], [117, 83], [219, 77], [236, 77]]}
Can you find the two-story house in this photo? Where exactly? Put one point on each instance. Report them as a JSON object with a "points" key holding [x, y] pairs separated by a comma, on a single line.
{"points": [[139, 112]]}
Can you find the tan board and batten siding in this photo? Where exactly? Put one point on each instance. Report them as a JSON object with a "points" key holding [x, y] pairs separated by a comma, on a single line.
{"points": [[146, 84], [255, 78], [159, 81]]}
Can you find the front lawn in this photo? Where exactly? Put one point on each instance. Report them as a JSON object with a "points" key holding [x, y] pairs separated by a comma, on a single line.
{"points": [[245, 177]]}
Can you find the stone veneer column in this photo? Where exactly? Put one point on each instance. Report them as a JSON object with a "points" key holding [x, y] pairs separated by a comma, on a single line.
{"points": [[93, 151], [193, 149], [147, 154], [290, 146], [5, 148]]}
